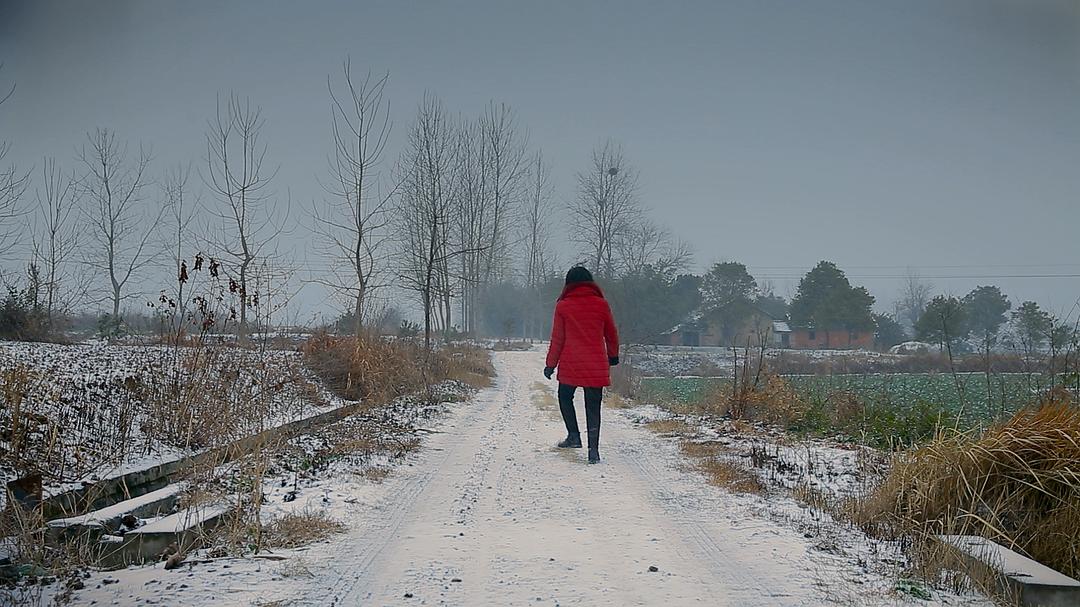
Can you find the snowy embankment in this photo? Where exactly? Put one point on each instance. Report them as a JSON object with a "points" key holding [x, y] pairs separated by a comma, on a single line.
{"points": [[84, 412]]}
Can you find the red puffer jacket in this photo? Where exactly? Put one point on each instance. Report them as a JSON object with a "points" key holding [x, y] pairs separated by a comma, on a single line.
{"points": [[583, 336]]}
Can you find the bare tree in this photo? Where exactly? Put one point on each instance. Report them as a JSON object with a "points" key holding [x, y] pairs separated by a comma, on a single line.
{"points": [[13, 184], [914, 296], [56, 240], [647, 244], [351, 224], [428, 179], [539, 259], [120, 220], [493, 172], [606, 207], [249, 220], [180, 208]]}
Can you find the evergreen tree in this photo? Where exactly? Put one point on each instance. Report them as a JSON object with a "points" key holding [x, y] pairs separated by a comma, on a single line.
{"points": [[1031, 326], [985, 308], [727, 283], [826, 301], [942, 322], [887, 331]]}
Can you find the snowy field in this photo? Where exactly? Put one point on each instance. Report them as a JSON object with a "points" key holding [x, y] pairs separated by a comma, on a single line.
{"points": [[90, 411]]}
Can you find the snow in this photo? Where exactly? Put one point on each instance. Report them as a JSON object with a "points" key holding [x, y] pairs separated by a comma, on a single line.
{"points": [[185, 519], [100, 517], [89, 404], [490, 513]]}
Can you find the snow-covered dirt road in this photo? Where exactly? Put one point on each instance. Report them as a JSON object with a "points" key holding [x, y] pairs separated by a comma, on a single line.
{"points": [[489, 512], [494, 514]]}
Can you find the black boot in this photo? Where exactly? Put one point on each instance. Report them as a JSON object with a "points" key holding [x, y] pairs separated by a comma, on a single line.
{"points": [[566, 407], [572, 441], [592, 420]]}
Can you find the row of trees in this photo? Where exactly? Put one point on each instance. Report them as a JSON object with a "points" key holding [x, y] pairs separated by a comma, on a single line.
{"points": [[460, 219], [986, 319]]}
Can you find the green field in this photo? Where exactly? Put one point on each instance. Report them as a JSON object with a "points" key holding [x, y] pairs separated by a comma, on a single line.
{"points": [[898, 392]]}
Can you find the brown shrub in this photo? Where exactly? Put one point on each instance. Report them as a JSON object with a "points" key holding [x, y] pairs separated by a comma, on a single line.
{"points": [[376, 369], [464, 363], [367, 367], [730, 476], [668, 426], [773, 401], [297, 529], [1017, 484]]}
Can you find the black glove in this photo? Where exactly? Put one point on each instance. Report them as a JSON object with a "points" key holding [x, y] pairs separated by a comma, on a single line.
{"points": [[613, 360], [548, 371]]}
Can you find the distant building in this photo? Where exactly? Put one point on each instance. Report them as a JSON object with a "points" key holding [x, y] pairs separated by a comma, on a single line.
{"points": [[726, 327], [734, 325], [804, 338], [781, 334]]}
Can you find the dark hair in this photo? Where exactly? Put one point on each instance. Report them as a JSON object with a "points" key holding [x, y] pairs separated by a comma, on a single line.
{"points": [[578, 274]]}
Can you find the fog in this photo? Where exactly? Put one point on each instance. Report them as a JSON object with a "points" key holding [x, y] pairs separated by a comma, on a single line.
{"points": [[940, 138]]}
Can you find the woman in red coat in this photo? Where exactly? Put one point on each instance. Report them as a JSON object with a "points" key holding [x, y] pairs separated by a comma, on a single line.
{"points": [[584, 344]]}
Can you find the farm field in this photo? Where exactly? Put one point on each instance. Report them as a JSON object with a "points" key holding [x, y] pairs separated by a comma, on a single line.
{"points": [[899, 391]]}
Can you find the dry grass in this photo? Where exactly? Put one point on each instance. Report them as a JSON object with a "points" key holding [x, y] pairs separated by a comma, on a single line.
{"points": [[771, 400], [702, 448], [377, 370], [301, 528], [468, 364], [543, 398], [709, 459], [614, 400], [1017, 484], [366, 368], [672, 426], [730, 476]]}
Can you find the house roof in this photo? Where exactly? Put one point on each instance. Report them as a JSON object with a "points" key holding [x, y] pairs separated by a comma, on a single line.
{"points": [[780, 326]]}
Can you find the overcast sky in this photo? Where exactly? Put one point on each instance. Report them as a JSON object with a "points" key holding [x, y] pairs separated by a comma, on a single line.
{"points": [[944, 136]]}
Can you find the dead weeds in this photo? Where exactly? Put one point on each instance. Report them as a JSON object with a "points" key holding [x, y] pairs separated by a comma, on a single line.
{"points": [[300, 528], [669, 427]]}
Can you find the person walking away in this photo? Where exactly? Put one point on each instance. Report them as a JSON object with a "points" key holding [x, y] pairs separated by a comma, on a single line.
{"points": [[584, 346]]}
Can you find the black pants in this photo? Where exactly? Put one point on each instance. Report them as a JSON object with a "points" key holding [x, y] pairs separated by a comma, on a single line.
{"points": [[593, 397]]}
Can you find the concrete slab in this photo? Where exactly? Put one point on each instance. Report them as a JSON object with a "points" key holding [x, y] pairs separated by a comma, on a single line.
{"points": [[108, 519], [1035, 584], [186, 529]]}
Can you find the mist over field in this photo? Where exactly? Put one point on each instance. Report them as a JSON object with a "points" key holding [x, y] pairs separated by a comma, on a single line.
{"points": [[936, 138]]}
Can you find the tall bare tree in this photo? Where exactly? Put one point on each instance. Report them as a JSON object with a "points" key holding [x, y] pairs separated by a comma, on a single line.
{"points": [[427, 174], [539, 259], [351, 223], [122, 221], [250, 221], [914, 295], [606, 208], [493, 172], [13, 184], [56, 240], [180, 211]]}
